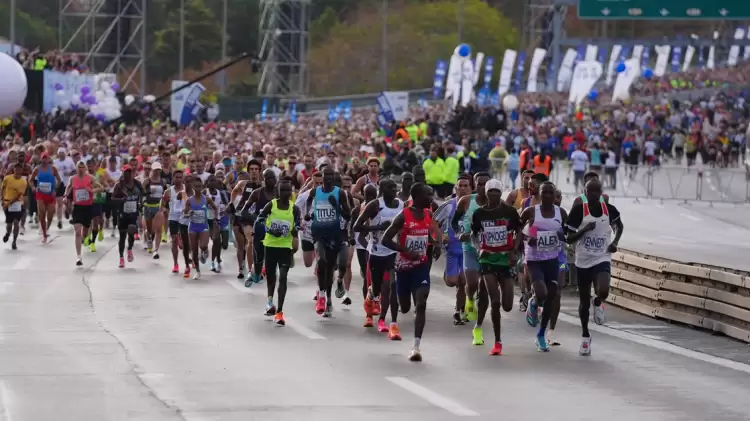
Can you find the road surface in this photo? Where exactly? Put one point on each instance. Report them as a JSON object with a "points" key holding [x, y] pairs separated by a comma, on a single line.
{"points": [[103, 343]]}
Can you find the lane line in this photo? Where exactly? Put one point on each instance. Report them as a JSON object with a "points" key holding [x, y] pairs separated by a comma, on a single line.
{"points": [[691, 217], [637, 327], [662, 346], [23, 263], [6, 401], [432, 397]]}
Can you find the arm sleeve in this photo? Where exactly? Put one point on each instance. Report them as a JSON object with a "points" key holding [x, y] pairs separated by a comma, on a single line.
{"points": [[614, 214], [575, 218]]}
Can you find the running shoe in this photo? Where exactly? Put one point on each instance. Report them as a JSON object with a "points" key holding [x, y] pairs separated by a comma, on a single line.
{"points": [[523, 304], [393, 332], [340, 291], [552, 341], [279, 319], [203, 257], [130, 256], [478, 336], [122, 263], [368, 321], [346, 301], [197, 275], [86, 241], [376, 308], [92, 247], [497, 349], [240, 275], [382, 328], [218, 267], [44, 239], [213, 266], [320, 307], [532, 313], [415, 355], [14, 246], [100, 236], [541, 343], [471, 310], [163, 236], [367, 305], [599, 317], [156, 256], [457, 321], [176, 269], [137, 236], [186, 274], [250, 280], [79, 262], [585, 349], [59, 225], [329, 310], [270, 310]]}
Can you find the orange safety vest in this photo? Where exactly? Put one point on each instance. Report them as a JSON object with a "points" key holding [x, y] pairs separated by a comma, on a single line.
{"points": [[542, 167], [524, 160], [402, 134]]}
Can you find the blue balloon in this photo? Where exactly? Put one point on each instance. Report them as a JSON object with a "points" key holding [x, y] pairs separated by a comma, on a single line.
{"points": [[100, 117], [464, 50], [593, 95], [648, 73], [620, 67]]}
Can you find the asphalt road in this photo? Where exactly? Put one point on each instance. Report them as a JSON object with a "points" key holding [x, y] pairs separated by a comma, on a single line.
{"points": [[103, 343]]}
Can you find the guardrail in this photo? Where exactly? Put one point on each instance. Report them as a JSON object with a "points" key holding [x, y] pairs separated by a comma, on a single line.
{"points": [[711, 298]]}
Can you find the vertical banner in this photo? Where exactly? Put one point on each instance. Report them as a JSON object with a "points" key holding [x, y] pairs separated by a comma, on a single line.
{"points": [[263, 110], [580, 54], [662, 56], [536, 63], [467, 80], [625, 79], [689, 52], [453, 82], [477, 66], [519, 71], [506, 71], [638, 52], [566, 70], [585, 76], [710, 61], [591, 53], [185, 104], [483, 96], [347, 110], [293, 112], [676, 58], [613, 57], [625, 53], [646, 57], [393, 106], [734, 50], [441, 69]]}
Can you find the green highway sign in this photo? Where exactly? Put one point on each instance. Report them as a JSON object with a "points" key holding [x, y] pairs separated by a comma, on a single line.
{"points": [[664, 9]]}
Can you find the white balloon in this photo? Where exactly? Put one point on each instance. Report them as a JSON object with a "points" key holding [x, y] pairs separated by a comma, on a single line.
{"points": [[76, 100], [55, 110], [510, 102], [95, 109], [129, 99], [13, 85], [149, 98], [61, 93], [75, 73], [109, 93], [65, 105], [99, 96], [105, 86]]}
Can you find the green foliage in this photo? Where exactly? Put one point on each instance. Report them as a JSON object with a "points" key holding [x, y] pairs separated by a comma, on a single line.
{"points": [[349, 59], [31, 31]]}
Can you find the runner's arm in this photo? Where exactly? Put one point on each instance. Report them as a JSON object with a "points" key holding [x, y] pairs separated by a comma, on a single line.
{"points": [[346, 210], [297, 220], [616, 222], [511, 199], [371, 210], [33, 176], [264, 213], [575, 219], [396, 225], [458, 215], [357, 189], [213, 205]]}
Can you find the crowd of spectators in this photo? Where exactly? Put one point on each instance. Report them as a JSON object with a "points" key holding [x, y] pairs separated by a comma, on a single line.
{"points": [[50, 60]]}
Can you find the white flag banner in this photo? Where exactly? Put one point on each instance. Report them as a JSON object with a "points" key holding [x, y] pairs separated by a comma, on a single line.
{"points": [[746, 54], [565, 73], [734, 51], [506, 71], [711, 60], [616, 49], [662, 57], [689, 53], [453, 81], [536, 63], [585, 76], [478, 67], [591, 52], [638, 52], [625, 79], [467, 80]]}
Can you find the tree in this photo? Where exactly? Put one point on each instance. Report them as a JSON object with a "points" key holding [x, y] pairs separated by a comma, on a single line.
{"points": [[349, 60], [31, 31]]}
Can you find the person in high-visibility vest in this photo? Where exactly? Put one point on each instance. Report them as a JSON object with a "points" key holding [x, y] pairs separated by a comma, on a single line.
{"points": [[525, 157], [434, 171], [542, 163]]}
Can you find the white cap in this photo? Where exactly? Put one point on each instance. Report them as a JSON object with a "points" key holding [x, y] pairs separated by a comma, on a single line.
{"points": [[157, 166], [493, 184]]}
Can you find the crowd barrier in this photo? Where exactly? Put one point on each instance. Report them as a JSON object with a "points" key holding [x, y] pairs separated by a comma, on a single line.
{"points": [[711, 298]]}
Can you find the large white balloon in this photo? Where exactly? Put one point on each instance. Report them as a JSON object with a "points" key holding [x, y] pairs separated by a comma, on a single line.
{"points": [[105, 86], [129, 99], [13, 85], [149, 98], [510, 102], [99, 96]]}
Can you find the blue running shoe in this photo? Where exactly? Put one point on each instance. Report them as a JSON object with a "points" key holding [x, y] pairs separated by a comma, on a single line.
{"points": [[541, 343], [532, 313]]}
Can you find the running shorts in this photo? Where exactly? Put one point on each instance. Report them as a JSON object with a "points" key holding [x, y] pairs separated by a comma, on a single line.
{"points": [[543, 270], [499, 270], [12, 216], [47, 199], [381, 266], [308, 246], [127, 220], [149, 212], [82, 214], [471, 260], [454, 264], [175, 228], [97, 210], [587, 276], [410, 280]]}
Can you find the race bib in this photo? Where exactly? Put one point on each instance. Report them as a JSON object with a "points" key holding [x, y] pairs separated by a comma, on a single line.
{"points": [[343, 223], [595, 244], [156, 192], [283, 227], [198, 216], [45, 187], [417, 243], [131, 206], [15, 207], [547, 241], [306, 234], [82, 195], [496, 236], [324, 212]]}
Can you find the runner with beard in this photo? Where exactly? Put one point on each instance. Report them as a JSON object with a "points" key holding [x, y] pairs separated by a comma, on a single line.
{"points": [[415, 230], [258, 199], [372, 177], [243, 228], [465, 208], [454, 264], [325, 206], [496, 233], [173, 204], [382, 260], [218, 224], [362, 239], [127, 195]]}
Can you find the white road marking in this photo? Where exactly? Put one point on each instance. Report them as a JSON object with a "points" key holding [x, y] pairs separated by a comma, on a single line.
{"points": [[6, 400], [636, 327], [690, 217], [662, 346], [23, 263], [654, 337], [432, 397]]}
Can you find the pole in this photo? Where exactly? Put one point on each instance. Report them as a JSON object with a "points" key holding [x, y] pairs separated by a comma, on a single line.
{"points": [[384, 45], [223, 46], [460, 20], [13, 27], [182, 39]]}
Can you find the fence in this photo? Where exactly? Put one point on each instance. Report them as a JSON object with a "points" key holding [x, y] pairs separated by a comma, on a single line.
{"points": [[711, 298]]}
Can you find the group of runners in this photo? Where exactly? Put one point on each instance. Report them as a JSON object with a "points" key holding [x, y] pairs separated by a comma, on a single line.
{"points": [[490, 243]]}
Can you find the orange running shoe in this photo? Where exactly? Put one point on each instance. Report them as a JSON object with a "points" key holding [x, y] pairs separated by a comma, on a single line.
{"points": [[497, 349], [393, 333], [368, 307], [279, 318], [368, 321], [186, 275], [320, 307], [376, 308]]}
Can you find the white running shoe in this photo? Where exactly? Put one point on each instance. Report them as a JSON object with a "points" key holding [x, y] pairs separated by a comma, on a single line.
{"points": [[585, 349], [599, 317]]}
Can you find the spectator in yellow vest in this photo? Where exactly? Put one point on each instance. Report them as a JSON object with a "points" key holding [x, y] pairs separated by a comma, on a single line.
{"points": [[434, 170]]}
